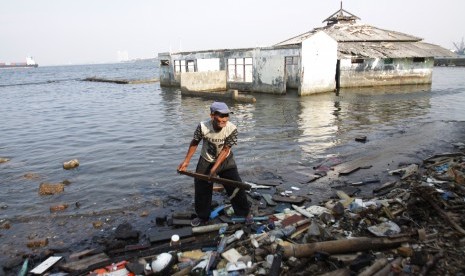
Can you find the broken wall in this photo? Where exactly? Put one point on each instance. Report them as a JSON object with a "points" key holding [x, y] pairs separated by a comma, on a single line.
{"points": [[165, 69], [378, 72], [203, 62], [203, 81]]}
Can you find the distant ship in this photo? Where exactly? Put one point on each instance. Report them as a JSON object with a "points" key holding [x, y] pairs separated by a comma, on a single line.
{"points": [[29, 63]]}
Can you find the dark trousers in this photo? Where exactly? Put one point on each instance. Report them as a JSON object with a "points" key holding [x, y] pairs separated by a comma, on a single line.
{"points": [[204, 189]]}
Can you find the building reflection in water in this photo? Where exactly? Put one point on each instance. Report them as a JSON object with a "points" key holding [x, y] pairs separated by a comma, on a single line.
{"points": [[332, 119]]}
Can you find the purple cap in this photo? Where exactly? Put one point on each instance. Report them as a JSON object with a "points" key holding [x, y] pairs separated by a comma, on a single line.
{"points": [[219, 107]]}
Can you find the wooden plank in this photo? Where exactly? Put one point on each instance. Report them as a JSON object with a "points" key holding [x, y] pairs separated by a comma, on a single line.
{"points": [[350, 167], [219, 180], [166, 235], [83, 264], [291, 220], [181, 221], [300, 229], [292, 199], [302, 211], [385, 186], [44, 266], [268, 183], [82, 254], [268, 199]]}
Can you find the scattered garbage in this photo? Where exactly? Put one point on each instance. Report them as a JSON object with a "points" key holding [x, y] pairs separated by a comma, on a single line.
{"points": [[387, 228], [407, 226]]}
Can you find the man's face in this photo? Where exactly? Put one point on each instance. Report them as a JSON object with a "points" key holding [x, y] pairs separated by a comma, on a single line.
{"points": [[219, 120]]}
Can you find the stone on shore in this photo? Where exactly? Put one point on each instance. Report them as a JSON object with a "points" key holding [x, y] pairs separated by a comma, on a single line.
{"points": [[51, 189], [71, 164]]}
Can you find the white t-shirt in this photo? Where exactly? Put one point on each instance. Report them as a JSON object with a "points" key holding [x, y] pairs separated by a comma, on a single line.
{"points": [[214, 141]]}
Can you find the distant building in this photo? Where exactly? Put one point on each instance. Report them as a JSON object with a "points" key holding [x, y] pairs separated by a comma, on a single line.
{"points": [[341, 54]]}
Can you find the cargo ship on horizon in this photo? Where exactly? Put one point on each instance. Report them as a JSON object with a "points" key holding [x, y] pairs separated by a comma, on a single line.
{"points": [[30, 62]]}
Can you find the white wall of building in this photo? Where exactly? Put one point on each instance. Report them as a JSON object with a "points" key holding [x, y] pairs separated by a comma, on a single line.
{"points": [[318, 68], [208, 64]]}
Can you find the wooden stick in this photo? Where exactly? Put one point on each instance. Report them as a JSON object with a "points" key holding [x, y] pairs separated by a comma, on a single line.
{"points": [[232, 183], [377, 266]]}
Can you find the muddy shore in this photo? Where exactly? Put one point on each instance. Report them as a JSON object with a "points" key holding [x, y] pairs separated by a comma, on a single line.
{"points": [[66, 234]]}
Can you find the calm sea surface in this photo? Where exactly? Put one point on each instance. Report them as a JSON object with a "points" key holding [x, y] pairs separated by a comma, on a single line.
{"points": [[129, 139]]}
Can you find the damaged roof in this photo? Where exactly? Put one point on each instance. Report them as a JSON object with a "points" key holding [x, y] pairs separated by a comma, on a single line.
{"points": [[361, 40], [391, 50], [354, 33]]}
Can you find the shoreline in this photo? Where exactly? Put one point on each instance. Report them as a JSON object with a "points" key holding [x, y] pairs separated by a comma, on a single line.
{"points": [[68, 233]]}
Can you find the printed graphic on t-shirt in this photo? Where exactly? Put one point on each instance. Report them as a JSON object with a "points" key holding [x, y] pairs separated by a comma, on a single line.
{"points": [[214, 141], [211, 149]]}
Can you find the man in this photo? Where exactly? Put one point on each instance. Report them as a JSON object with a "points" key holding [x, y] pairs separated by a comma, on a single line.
{"points": [[216, 158]]}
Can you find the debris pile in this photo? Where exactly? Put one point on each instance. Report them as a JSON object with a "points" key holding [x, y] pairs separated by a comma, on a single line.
{"points": [[408, 226]]}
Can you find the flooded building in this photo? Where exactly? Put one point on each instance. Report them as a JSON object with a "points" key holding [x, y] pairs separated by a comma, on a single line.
{"points": [[344, 53]]}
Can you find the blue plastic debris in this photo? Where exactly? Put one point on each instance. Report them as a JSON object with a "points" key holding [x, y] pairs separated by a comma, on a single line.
{"points": [[441, 169], [217, 210]]}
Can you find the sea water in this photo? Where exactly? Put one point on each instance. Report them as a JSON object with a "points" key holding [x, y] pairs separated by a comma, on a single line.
{"points": [[130, 138]]}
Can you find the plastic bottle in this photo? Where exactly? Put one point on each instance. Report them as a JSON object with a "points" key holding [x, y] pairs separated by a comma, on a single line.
{"points": [[175, 240], [283, 232], [221, 245], [185, 264], [199, 269]]}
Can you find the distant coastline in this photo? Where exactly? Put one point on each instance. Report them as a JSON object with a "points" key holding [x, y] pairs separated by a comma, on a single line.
{"points": [[450, 62]]}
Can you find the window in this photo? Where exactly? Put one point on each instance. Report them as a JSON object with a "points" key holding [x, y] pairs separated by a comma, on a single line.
{"points": [[418, 59], [240, 69], [294, 60], [179, 66], [190, 66], [164, 62], [388, 61], [357, 60]]}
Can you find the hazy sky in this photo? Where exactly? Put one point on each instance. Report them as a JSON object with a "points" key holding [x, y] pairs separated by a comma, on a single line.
{"points": [[93, 31]]}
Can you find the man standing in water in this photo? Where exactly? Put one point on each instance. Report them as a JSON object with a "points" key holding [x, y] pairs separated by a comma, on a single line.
{"points": [[216, 158]]}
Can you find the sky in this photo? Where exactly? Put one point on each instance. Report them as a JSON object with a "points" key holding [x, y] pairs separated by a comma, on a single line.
{"points": [[61, 32]]}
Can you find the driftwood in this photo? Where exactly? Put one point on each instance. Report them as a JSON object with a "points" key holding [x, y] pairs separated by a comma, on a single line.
{"points": [[83, 264], [219, 180], [338, 272], [342, 246], [378, 265], [387, 269], [120, 81]]}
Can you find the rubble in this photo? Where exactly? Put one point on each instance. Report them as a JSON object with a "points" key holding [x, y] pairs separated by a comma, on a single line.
{"points": [[408, 226]]}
